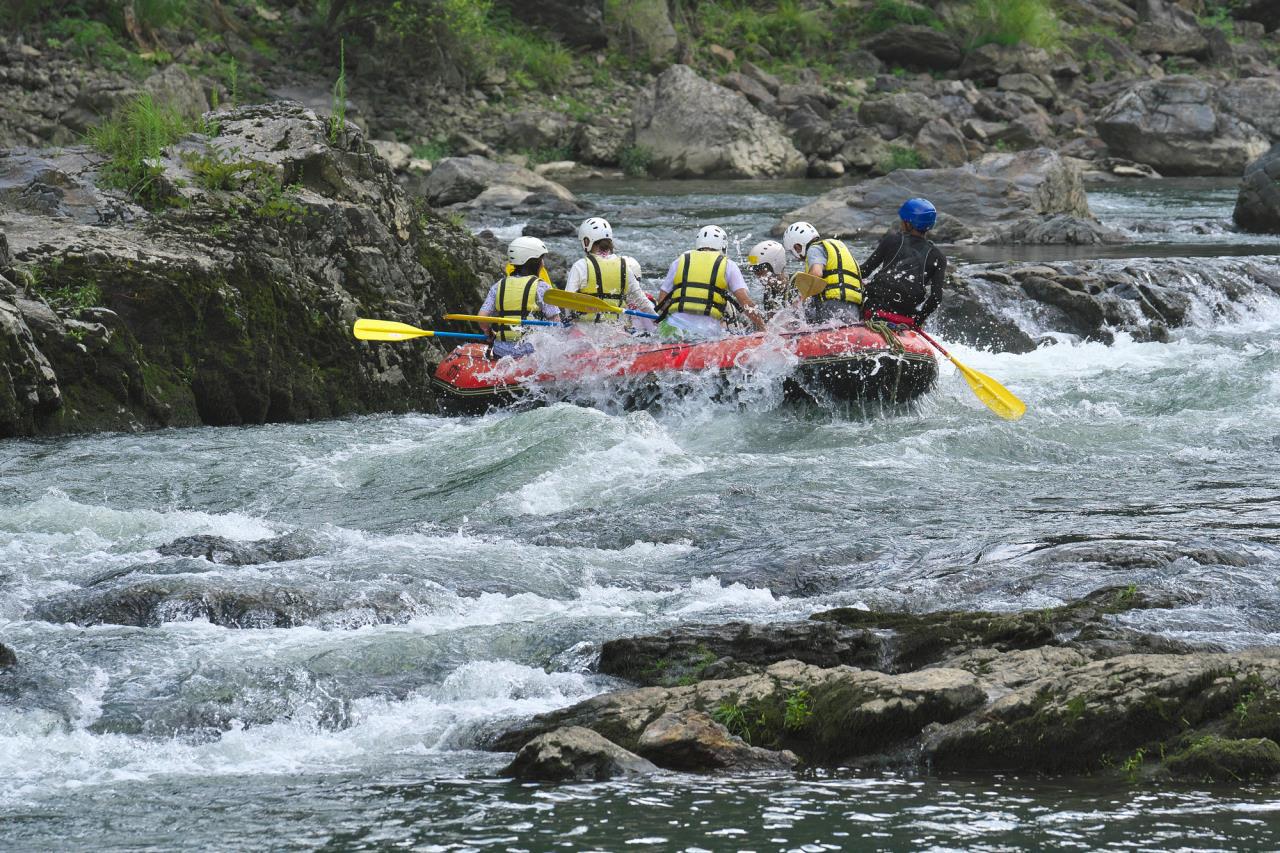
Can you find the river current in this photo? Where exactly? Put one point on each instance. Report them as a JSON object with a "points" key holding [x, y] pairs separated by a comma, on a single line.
{"points": [[462, 573]]}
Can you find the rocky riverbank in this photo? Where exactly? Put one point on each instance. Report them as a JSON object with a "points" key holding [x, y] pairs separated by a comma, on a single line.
{"points": [[232, 300], [1068, 689]]}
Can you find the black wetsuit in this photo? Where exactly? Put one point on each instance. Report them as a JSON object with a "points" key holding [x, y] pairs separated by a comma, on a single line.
{"points": [[909, 280]]}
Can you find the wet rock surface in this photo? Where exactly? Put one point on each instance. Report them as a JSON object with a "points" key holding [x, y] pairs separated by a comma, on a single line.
{"points": [[575, 754], [1258, 202], [1065, 689], [7, 657]]}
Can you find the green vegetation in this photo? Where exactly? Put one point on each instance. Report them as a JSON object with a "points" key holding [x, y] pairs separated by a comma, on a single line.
{"points": [[901, 157], [433, 150], [212, 171], [537, 156], [733, 717], [889, 13], [786, 30], [798, 711], [1013, 22], [338, 123], [277, 202], [635, 160], [67, 296], [133, 139]]}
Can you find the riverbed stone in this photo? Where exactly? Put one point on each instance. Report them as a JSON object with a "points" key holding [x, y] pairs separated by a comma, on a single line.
{"points": [[695, 128], [692, 740], [457, 180], [575, 754], [1258, 201], [1218, 759]]}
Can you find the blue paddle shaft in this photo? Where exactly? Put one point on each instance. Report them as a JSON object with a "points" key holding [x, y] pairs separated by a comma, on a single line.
{"points": [[538, 323], [465, 336], [644, 314]]}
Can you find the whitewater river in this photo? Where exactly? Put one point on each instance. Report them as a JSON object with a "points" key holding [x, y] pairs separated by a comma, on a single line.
{"points": [[503, 549]]}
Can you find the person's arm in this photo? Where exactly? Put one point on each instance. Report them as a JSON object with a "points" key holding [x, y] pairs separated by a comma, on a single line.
{"points": [[577, 276], [738, 287], [668, 284], [816, 260], [637, 298], [885, 250], [551, 312], [486, 309]]}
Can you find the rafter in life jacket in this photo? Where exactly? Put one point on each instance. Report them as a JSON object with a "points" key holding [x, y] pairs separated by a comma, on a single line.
{"points": [[844, 281], [701, 285], [607, 280], [517, 297]]}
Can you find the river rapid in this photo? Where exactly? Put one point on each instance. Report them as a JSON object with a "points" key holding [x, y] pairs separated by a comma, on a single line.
{"points": [[462, 572]]}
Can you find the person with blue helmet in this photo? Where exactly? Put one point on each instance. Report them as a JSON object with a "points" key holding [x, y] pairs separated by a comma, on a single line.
{"points": [[905, 274]]}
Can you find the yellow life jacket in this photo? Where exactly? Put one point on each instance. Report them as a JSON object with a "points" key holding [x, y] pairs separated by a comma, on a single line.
{"points": [[607, 280], [844, 281], [701, 285], [517, 297], [542, 273]]}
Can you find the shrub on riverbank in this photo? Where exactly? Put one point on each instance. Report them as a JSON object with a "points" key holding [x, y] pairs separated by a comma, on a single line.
{"points": [[133, 138]]}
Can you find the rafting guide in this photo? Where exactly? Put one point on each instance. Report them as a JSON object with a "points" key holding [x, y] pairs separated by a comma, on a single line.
{"points": [[909, 270]]}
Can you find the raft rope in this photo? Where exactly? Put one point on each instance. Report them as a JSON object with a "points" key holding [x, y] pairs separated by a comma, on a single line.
{"points": [[884, 330]]}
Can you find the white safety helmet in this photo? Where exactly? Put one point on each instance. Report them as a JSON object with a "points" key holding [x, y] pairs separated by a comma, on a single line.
{"points": [[801, 234], [712, 237], [523, 249], [769, 252], [592, 230]]}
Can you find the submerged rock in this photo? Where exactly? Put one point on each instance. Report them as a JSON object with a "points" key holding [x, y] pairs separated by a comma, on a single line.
{"points": [[991, 200], [575, 754], [696, 128], [1219, 759], [7, 657], [229, 552]]}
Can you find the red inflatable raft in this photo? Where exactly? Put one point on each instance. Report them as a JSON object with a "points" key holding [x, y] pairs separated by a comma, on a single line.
{"points": [[847, 363]]}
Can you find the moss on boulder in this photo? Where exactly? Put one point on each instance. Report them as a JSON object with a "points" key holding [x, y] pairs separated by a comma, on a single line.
{"points": [[1222, 759]]}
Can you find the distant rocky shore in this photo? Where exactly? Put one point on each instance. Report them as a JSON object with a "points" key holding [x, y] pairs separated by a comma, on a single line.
{"points": [[1065, 690]]}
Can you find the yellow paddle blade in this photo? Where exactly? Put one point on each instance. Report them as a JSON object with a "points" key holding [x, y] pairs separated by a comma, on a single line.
{"points": [[387, 330], [994, 396], [578, 302], [807, 284], [480, 318]]}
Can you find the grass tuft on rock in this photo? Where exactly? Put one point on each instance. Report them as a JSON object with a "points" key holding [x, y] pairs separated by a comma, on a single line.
{"points": [[1013, 22], [133, 138], [1218, 759]]}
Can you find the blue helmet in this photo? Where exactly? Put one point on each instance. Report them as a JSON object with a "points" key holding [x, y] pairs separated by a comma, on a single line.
{"points": [[919, 213]]}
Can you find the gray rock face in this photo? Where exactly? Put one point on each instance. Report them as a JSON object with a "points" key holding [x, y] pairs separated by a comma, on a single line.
{"points": [[1168, 29], [1255, 100], [1258, 203], [898, 114], [579, 22], [696, 128], [228, 552], [1179, 126], [915, 46], [456, 180], [575, 754], [979, 202], [692, 740], [299, 235]]}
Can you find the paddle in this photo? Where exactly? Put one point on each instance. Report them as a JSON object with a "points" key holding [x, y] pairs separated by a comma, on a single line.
{"points": [[389, 330], [994, 396], [807, 284], [588, 304], [510, 321]]}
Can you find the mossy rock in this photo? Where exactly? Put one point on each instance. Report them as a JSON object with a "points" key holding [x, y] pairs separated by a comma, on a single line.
{"points": [[1227, 759]]}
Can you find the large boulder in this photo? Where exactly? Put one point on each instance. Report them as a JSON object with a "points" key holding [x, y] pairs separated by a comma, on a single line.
{"points": [[456, 180], [1255, 100], [1169, 30], [1258, 203], [1265, 12], [1179, 126], [575, 754], [692, 740], [696, 128], [642, 28], [899, 113], [915, 46], [989, 200]]}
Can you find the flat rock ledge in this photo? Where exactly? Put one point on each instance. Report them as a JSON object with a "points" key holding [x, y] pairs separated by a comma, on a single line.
{"points": [[1061, 690]]}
